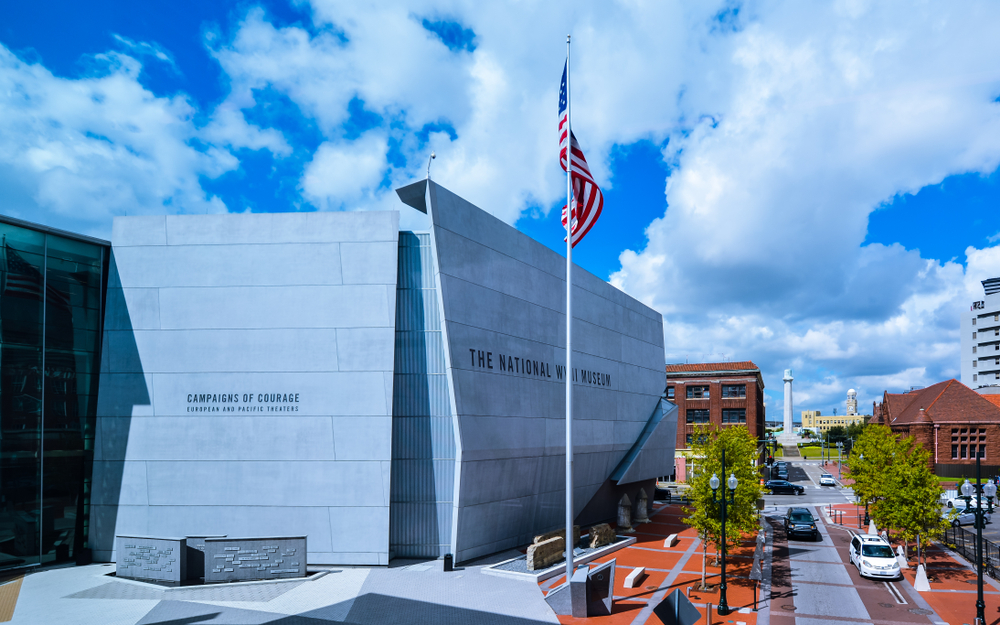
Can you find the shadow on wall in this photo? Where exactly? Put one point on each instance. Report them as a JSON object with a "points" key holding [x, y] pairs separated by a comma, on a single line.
{"points": [[367, 609], [122, 388]]}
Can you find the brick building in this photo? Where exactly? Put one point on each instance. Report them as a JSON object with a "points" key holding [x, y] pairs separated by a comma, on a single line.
{"points": [[723, 393], [949, 419]]}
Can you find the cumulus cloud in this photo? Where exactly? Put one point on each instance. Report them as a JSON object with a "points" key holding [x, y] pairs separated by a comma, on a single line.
{"points": [[821, 119], [77, 152]]}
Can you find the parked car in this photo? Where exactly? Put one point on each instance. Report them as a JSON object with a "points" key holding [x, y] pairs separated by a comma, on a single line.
{"points": [[874, 557], [778, 487], [827, 480], [959, 518], [799, 521], [959, 502]]}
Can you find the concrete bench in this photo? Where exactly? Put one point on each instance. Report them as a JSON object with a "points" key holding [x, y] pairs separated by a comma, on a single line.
{"points": [[670, 541], [635, 577]]}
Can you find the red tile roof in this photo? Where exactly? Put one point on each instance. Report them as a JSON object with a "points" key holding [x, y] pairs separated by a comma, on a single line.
{"points": [[945, 401], [744, 365], [993, 398]]}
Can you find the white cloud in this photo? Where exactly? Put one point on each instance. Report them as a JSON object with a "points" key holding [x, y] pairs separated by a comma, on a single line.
{"points": [[74, 153], [340, 174]]}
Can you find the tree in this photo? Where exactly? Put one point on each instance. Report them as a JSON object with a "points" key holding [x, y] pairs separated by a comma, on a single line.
{"points": [[741, 454], [836, 434], [894, 477]]}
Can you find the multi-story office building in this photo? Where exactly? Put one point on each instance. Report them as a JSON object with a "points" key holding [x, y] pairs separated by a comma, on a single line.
{"points": [[723, 393], [817, 422], [980, 328]]}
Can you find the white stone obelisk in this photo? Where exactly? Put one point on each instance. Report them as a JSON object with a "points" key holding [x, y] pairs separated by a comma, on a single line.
{"points": [[787, 433]]}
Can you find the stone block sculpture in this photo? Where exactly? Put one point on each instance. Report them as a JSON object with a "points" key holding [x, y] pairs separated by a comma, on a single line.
{"points": [[625, 515]]}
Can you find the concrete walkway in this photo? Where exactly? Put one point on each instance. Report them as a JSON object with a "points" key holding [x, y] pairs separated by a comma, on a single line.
{"points": [[407, 592]]}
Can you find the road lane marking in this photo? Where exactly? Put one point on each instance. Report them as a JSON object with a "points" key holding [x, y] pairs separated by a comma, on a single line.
{"points": [[895, 593]]}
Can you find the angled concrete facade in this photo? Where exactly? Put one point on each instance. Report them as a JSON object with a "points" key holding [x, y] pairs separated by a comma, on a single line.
{"points": [[504, 310], [384, 393]]}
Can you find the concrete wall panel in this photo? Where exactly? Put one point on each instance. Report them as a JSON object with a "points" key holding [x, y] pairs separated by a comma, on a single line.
{"points": [[246, 389]]}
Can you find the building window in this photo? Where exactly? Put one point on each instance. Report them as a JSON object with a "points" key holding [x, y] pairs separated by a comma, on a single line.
{"points": [[973, 335], [974, 377], [734, 390], [670, 392], [954, 450], [974, 363], [973, 321], [697, 416], [964, 448], [982, 451], [996, 317], [973, 349], [689, 436], [996, 331], [697, 392], [734, 416]]}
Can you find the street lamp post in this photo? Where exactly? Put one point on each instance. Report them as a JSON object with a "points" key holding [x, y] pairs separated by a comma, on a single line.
{"points": [[840, 463], [731, 483], [990, 490], [861, 457]]}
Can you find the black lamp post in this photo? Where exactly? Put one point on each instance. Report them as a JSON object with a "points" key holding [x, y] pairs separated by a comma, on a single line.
{"points": [[868, 521], [990, 490], [731, 483]]}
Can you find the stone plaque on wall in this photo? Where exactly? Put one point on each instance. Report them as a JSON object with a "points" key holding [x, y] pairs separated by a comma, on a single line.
{"points": [[157, 559], [243, 559]]}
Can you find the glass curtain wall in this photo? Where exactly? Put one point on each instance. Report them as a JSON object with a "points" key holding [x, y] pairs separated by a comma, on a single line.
{"points": [[51, 310]]}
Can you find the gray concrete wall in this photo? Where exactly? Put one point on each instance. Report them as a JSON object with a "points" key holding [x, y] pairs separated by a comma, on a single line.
{"points": [[503, 297], [250, 306]]}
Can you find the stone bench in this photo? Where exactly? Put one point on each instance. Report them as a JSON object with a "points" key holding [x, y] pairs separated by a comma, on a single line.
{"points": [[635, 577]]}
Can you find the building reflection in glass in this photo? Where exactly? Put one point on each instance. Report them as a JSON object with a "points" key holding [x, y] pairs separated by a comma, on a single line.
{"points": [[52, 287]]}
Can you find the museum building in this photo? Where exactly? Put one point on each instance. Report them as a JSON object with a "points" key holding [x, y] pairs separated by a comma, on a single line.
{"points": [[385, 393]]}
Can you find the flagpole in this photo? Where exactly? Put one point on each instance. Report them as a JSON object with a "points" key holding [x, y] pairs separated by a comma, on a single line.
{"points": [[569, 328]]}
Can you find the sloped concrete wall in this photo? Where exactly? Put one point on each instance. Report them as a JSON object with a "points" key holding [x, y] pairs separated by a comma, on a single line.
{"points": [[504, 307]]}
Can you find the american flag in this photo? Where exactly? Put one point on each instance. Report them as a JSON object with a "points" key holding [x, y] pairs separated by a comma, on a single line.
{"points": [[587, 197], [25, 280]]}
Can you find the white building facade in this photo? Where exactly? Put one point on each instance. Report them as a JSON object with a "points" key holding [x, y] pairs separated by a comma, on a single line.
{"points": [[980, 327]]}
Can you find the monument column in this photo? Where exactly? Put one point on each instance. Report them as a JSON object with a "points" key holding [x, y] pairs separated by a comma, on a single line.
{"points": [[788, 404]]}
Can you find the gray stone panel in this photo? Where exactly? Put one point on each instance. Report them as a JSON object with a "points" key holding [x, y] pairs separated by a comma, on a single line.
{"points": [[319, 227], [158, 559], [230, 265], [264, 483], [251, 559], [246, 307], [226, 437]]}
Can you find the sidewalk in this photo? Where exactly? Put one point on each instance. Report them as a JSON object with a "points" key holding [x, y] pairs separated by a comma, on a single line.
{"points": [[670, 569], [952, 579]]}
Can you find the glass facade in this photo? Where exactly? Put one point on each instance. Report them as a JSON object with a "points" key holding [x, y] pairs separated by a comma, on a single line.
{"points": [[52, 289]]}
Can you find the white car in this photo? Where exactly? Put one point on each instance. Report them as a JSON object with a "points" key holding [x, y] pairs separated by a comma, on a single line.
{"points": [[874, 557], [827, 480], [958, 503]]}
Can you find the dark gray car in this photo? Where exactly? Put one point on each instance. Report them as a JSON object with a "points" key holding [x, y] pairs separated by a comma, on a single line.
{"points": [[784, 487]]}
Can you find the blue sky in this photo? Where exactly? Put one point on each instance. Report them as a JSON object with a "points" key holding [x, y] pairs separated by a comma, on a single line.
{"points": [[812, 188]]}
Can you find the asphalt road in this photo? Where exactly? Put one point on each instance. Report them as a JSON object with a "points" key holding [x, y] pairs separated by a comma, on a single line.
{"points": [[806, 473]]}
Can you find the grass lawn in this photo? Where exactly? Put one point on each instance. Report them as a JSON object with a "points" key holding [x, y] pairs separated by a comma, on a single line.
{"points": [[815, 452]]}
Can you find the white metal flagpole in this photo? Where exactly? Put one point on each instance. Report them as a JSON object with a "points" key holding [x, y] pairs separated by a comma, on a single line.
{"points": [[569, 328]]}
